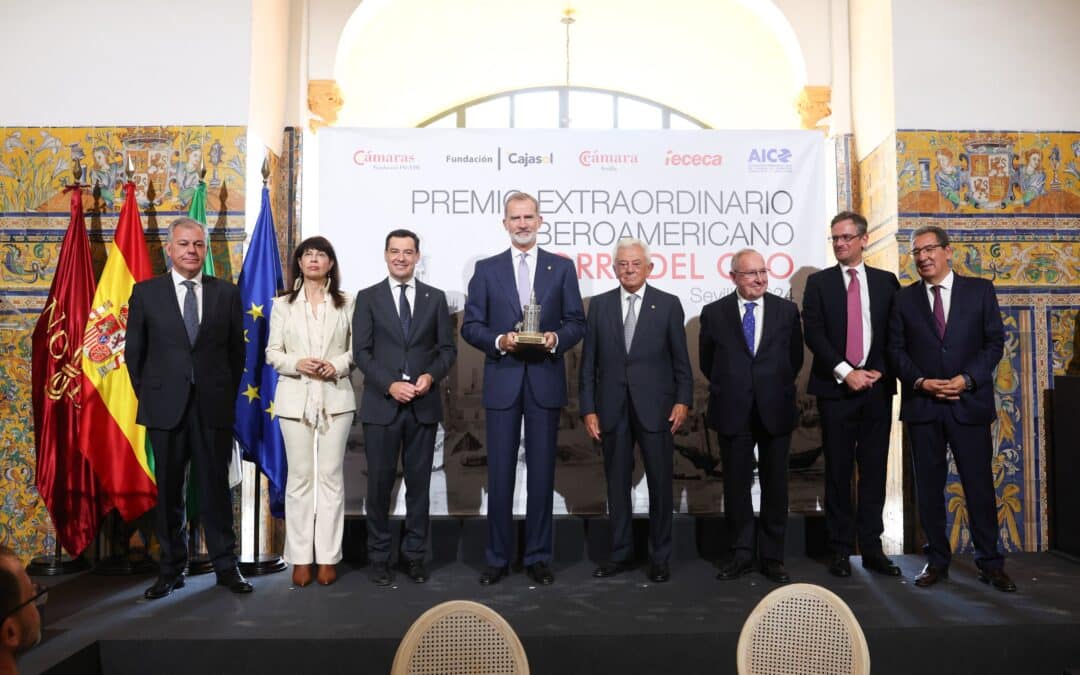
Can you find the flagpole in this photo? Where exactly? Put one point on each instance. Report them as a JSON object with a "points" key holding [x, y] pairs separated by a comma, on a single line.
{"points": [[260, 563], [56, 564]]}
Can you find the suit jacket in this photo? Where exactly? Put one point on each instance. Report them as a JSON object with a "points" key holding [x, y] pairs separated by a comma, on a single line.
{"points": [[655, 372], [380, 348], [492, 309], [825, 322], [738, 380], [288, 343], [161, 361], [973, 344]]}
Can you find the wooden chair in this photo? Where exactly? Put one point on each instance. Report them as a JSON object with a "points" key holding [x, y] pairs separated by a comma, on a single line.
{"points": [[460, 637], [802, 629]]}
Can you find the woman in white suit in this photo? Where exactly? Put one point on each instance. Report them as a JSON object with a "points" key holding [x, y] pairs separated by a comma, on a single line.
{"points": [[310, 346]]}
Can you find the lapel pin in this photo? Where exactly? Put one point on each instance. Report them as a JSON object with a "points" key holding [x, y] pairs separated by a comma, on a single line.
{"points": [[425, 294], [549, 268]]}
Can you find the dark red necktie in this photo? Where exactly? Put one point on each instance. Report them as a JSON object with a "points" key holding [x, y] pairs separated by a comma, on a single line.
{"points": [[854, 351], [939, 312]]}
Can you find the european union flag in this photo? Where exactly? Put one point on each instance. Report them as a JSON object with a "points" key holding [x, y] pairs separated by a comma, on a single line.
{"points": [[256, 429]]}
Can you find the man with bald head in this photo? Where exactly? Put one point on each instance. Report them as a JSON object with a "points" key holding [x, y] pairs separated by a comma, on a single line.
{"points": [[20, 625], [751, 350]]}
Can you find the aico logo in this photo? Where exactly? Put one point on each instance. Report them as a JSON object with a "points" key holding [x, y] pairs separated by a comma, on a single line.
{"points": [[525, 159], [673, 158], [382, 159], [605, 159], [769, 156]]}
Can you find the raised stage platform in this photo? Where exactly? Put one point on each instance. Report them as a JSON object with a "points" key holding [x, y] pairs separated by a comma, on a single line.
{"points": [[624, 624]]}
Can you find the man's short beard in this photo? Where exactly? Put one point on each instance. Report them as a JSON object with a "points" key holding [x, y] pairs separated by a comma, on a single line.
{"points": [[523, 239]]}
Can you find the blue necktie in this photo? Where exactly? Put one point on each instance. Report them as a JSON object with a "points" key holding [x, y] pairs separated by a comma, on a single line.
{"points": [[748, 326]]}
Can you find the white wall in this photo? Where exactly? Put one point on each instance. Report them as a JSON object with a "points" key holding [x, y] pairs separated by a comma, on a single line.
{"points": [[987, 64], [873, 113], [72, 62]]}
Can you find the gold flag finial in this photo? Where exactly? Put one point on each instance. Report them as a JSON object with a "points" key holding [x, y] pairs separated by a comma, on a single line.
{"points": [[130, 168], [266, 169], [76, 170]]}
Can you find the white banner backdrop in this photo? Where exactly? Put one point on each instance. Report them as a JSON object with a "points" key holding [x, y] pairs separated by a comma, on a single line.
{"points": [[696, 197]]}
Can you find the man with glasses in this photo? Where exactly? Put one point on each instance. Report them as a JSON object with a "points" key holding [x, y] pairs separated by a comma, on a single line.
{"points": [[945, 338], [751, 350], [636, 387], [20, 627], [846, 315]]}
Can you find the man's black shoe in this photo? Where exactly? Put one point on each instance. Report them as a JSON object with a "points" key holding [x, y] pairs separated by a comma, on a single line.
{"points": [[163, 586], [840, 566], [774, 571], [998, 579], [931, 575], [380, 574], [415, 570], [540, 573], [735, 568], [878, 562], [610, 569], [491, 575], [234, 581], [659, 572]]}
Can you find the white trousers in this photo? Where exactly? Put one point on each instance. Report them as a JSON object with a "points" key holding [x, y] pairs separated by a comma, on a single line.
{"points": [[315, 491]]}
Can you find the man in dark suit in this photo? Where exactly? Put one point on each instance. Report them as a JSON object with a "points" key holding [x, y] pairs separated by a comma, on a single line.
{"points": [[185, 355], [403, 342], [846, 317], [636, 386], [751, 350], [945, 339], [522, 381]]}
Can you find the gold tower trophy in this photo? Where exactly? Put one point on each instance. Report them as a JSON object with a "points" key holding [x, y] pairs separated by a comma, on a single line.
{"points": [[528, 329]]}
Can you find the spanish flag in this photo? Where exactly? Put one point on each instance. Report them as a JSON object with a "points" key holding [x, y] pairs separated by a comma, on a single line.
{"points": [[111, 440]]}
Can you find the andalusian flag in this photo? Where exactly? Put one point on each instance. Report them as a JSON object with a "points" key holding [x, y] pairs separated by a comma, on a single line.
{"points": [[113, 443], [197, 211]]}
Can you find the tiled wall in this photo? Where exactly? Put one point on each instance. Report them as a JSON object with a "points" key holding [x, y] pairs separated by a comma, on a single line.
{"points": [[35, 164]]}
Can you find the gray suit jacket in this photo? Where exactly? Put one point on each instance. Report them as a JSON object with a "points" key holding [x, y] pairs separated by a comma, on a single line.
{"points": [[380, 349]]}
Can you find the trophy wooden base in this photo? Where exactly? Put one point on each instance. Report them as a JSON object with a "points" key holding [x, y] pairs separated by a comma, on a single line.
{"points": [[530, 338]]}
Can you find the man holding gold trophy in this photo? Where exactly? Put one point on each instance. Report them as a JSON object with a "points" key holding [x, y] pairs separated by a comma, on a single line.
{"points": [[524, 311]]}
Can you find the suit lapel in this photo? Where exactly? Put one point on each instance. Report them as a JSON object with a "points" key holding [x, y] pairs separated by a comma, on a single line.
{"points": [[926, 308], [543, 277], [730, 310], [614, 317], [505, 275], [168, 297], [209, 304], [386, 301], [421, 308], [327, 325], [837, 290]]}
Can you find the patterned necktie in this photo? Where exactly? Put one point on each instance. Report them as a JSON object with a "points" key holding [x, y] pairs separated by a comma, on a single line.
{"points": [[854, 351], [939, 312], [191, 311], [748, 326], [630, 323], [523, 287]]}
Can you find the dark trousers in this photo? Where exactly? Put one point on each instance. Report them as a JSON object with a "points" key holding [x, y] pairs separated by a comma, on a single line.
{"points": [[972, 448], [855, 430], [416, 444], [737, 455], [209, 451], [503, 439], [656, 454]]}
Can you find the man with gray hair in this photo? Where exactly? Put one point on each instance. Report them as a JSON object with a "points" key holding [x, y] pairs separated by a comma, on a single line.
{"points": [[636, 386], [185, 356], [751, 350], [20, 620]]}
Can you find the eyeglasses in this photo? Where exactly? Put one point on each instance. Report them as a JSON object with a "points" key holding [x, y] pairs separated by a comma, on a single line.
{"points": [[751, 273], [844, 238], [928, 249], [39, 598]]}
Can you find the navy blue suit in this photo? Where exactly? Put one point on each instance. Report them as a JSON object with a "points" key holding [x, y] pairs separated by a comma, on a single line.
{"points": [[752, 402], [973, 345], [632, 392], [529, 384], [854, 424]]}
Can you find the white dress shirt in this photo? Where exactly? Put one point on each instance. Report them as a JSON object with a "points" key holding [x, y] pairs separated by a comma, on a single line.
{"points": [[759, 316], [946, 294], [410, 293], [624, 294], [181, 290], [843, 368]]}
